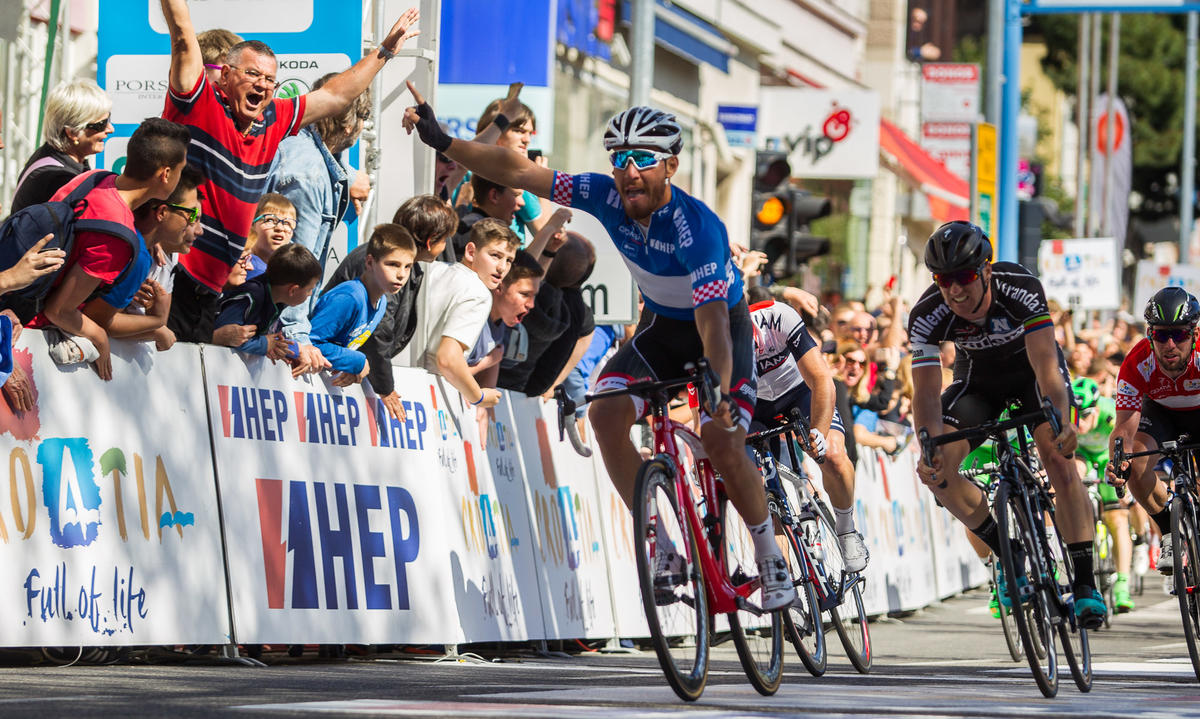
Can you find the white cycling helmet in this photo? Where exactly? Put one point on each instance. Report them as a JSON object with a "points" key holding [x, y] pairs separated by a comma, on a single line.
{"points": [[644, 127]]}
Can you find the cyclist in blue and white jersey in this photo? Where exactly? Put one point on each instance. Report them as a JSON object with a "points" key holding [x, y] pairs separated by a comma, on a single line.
{"points": [[678, 251]]}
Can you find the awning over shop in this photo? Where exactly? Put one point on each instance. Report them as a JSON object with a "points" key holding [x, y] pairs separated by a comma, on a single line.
{"points": [[947, 192], [688, 35]]}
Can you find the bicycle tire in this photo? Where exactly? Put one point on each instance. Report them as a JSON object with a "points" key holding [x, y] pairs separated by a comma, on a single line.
{"points": [[758, 638], [1016, 538], [849, 618], [1073, 637], [1015, 649], [684, 612], [802, 622], [1185, 576]]}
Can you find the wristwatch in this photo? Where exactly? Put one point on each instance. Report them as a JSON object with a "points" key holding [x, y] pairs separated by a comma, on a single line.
{"points": [[385, 53]]}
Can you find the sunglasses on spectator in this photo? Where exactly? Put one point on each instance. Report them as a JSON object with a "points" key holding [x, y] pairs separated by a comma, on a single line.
{"points": [[191, 213], [641, 159], [99, 125], [1177, 334], [961, 277], [255, 76], [271, 220], [852, 361]]}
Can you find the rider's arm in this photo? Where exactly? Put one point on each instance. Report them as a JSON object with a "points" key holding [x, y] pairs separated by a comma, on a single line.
{"points": [[712, 322], [502, 166], [187, 63], [1125, 428], [927, 398], [819, 379], [1043, 357]]}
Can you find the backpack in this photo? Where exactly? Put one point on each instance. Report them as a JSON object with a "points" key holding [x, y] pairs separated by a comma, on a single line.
{"points": [[24, 228]]}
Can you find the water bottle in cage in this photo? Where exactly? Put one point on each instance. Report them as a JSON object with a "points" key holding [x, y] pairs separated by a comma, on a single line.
{"points": [[810, 529]]}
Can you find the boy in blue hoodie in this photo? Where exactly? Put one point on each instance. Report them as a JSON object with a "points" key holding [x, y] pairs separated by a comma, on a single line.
{"points": [[347, 315], [248, 319]]}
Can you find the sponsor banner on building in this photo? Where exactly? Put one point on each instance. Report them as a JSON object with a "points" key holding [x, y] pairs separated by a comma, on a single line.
{"points": [[571, 556], [826, 133], [110, 534], [1083, 274], [340, 520]]}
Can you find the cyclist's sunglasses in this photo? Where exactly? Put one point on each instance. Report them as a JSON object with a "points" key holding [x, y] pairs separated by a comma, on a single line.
{"points": [[192, 213], [1178, 334], [961, 277], [641, 159]]}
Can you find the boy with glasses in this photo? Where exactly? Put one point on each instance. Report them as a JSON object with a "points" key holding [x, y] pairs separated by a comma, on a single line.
{"points": [[273, 226], [996, 315]]}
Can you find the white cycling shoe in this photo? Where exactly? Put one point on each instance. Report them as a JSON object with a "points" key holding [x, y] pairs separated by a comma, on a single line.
{"points": [[778, 590], [854, 551]]}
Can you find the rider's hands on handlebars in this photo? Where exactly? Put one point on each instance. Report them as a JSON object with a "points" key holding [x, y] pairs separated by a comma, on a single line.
{"points": [[818, 444]]}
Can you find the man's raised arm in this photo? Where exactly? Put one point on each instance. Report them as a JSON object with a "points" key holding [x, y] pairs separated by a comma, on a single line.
{"points": [[337, 94], [498, 164], [186, 61]]}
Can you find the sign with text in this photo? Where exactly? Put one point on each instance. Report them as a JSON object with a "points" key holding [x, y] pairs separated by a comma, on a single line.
{"points": [[610, 290], [740, 123], [1152, 277], [985, 178], [826, 133], [112, 536], [950, 143], [1082, 273], [950, 92]]}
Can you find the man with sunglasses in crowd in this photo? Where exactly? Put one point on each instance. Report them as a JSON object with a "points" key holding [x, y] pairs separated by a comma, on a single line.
{"points": [[998, 319], [678, 252], [236, 129], [1158, 395]]}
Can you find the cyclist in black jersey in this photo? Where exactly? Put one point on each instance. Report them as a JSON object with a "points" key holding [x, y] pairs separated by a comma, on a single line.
{"points": [[996, 315]]}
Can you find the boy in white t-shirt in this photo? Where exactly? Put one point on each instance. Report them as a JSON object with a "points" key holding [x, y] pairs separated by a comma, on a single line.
{"points": [[454, 304]]}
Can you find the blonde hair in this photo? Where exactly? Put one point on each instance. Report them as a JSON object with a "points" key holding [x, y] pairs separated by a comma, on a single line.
{"points": [[274, 201], [215, 44], [71, 106], [861, 391]]}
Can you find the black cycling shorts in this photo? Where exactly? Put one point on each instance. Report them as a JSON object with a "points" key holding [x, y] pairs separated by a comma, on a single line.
{"points": [[1165, 425], [800, 397], [661, 346], [976, 396]]}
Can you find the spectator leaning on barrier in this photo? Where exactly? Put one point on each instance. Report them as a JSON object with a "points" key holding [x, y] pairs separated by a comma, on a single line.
{"points": [[33, 264], [249, 317], [346, 316], [75, 126], [274, 223], [214, 47], [312, 172], [511, 303], [431, 222], [490, 200], [450, 319], [236, 133], [156, 155]]}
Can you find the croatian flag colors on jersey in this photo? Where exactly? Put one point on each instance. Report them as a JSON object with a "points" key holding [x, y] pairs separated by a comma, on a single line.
{"points": [[680, 262], [780, 339], [1141, 377]]}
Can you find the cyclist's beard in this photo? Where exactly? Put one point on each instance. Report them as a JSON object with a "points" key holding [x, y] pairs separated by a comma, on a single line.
{"points": [[1178, 362]]}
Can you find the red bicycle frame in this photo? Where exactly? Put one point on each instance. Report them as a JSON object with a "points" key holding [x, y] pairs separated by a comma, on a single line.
{"points": [[723, 597]]}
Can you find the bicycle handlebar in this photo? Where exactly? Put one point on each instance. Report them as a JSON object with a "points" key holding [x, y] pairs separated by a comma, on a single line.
{"points": [[995, 428], [1169, 448], [797, 424], [708, 386], [566, 422]]}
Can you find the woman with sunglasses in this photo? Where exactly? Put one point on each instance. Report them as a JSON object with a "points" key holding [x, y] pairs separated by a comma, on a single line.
{"points": [[1158, 398], [76, 124], [998, 319]]}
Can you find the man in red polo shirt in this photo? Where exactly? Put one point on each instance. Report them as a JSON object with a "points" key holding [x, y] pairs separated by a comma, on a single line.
{"points": [[236, 129]]}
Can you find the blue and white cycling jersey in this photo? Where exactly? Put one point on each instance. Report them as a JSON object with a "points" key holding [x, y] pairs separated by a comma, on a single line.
{"points": [[680, 262]]}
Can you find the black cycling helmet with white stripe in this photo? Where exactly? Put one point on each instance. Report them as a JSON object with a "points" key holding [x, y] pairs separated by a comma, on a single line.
{"points": [[644, 127], [1172, 307]]}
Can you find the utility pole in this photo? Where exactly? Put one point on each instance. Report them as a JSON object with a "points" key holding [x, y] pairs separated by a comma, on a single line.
{"points": [[995, 59], [1110, 127], [1187, 171], [1083, 121], [641, 74]]}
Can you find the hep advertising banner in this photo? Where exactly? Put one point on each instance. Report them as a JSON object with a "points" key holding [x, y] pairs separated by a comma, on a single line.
{"points": [[109, 532]]}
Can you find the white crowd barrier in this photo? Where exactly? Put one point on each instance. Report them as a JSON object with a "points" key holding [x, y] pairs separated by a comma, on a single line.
{"points": [[299, 512]]}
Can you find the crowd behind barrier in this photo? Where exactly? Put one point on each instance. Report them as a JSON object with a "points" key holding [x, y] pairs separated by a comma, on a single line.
{"points": [[298, 512]]}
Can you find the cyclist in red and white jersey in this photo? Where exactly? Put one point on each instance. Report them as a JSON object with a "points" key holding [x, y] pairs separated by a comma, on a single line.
{"points": [[1158, 395], [792, 374]]}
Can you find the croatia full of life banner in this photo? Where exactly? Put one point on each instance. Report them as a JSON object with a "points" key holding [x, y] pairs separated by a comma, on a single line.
{"points": [[109, 530]]}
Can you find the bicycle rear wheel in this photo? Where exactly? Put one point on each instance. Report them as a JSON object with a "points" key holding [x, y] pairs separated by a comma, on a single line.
{"points": [[758, 638], [674, 600], [1017, 544], [850, 617], [802, 621], [1186, 576], [1007, 623]]}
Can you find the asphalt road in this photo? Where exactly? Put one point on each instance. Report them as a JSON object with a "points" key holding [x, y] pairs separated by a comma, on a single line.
{"points": [[948, 660]]}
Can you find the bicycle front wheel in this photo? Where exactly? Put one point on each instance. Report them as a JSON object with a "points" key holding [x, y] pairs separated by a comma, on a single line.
{"points": [[802, 621], [1007, 623], [1018, 547], [1186, 575], [1074, 641], [758, 637], [850, 617], [671, 580]]}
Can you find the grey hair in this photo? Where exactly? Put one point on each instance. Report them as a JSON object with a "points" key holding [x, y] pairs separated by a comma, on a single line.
{"points": [[71, 106]]}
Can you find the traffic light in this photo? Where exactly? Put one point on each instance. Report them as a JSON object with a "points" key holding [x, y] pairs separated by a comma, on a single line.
{"points": [[782, 214]]}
